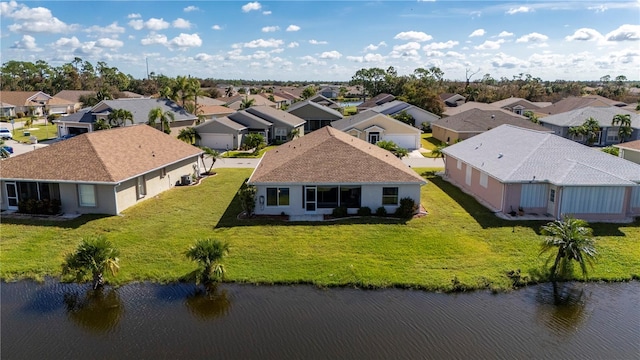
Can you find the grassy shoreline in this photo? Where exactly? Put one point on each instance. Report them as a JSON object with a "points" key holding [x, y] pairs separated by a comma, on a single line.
{"points": [[459, 245]]}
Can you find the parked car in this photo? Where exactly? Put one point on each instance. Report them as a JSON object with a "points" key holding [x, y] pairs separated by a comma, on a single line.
{"points": [[5, 134], [9, 149], [65, 137]]}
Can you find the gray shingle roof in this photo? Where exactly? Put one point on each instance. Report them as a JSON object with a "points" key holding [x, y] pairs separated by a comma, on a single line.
{"points": [[274, 115], [212, 125], [140, 108], [331, 112], [512, 155], [603, 115], [329, 156], [477, 120]]}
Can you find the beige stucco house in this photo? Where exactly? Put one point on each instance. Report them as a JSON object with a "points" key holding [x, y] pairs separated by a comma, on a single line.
{"points": [[326, 169], [630, 151], [103, 172], [509, 167], [372, 127]]}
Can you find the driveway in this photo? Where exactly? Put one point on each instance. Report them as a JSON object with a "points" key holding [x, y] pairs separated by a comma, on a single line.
{"points": [[233, 163], [19, 148]]}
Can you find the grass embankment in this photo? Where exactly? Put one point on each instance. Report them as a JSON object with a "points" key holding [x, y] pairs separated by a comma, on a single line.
{"points": [[41, 132], [430, 143], [458, 239]]}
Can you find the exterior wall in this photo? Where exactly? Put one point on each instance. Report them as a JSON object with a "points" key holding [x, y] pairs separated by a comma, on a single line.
{"points": [[371, 196], [421, 116], [491, 196], [444, 135], [105, 200], [66, 128], [631, 155]]}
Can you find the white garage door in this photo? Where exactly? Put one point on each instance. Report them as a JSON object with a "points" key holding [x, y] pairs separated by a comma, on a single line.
{"points": [[406, 141], [217, 141]]}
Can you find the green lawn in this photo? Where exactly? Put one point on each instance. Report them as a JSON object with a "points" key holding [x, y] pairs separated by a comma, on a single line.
{"points": [[242, 154], [429, 142], [42, 133], [457, 239]]}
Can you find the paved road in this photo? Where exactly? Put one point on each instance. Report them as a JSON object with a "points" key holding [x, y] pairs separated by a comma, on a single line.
{"points": [[19, 148], [233, 163]]}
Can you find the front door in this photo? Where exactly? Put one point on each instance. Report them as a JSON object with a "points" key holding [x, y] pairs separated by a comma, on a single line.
{"points": [[12, 195], [310, 198], [374, 137], [551, 201]]}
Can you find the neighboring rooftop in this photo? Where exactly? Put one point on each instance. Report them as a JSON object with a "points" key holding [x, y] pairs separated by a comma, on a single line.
{"points": [[450, 111], [631, 145], [604, 116], [477, 120], [577, 102]]}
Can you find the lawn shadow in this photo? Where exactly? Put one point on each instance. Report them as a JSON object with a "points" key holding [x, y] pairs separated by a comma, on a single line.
{"points": [[487, 219], [61, 223], [230, 218], [435, 142]]}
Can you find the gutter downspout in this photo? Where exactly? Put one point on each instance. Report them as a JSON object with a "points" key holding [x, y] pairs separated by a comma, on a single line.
{"points": [[115, 196]]}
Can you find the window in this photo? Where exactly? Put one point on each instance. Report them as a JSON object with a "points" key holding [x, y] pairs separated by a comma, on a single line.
{"points": [[350, 196], [141, 187], [277, 196], [389, 196], [484, 180], [467, 178], [612, 135], [459, 164], [327, 197], [163, 172], [87, 195], [552, 195]]}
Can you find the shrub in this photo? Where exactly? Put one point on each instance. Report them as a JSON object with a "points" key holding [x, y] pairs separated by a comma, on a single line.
{"points": [[407, 208], [247, 195], [39, 207], [426, 127], [340, 211], [612, 150], [381, 211], [20, 114], [364, 211]]}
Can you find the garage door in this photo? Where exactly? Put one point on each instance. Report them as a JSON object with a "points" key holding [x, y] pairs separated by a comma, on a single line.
{"points": [[217, 141], [405, 141]]}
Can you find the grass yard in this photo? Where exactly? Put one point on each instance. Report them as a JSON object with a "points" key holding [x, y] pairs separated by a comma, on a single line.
{"points": [[243, 154], [459, 239], [43, 132]]}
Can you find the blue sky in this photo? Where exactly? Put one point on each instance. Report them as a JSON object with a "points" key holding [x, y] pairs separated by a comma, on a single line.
{"points": [[330, 40]]}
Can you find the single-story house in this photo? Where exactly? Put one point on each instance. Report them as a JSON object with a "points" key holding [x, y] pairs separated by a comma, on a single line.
{"points": [[221, 134], [395, 107], [323, 100], [476, 121], [102, 172], [329, 92], [73, 97], [608, 134], [283, 124], [327, 168], [26, 102], [235, 102], [509, 167], [519, 105], [630, 150], [83, 120], [7, 110], [214, 111], [372, 127], [375, 101], [450, 111], [315, 115], [578, 102], [452, 100]]}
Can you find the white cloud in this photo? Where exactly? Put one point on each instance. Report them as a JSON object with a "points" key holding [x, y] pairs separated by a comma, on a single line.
{"points": [[267, 29], [63, 42], [624, 33], [478, 32], [207, 57], [293, 27], [502, 60], [505, 34], [216, 27], [599, 8], [27, 42], [372, 47], [113, 28], [434, 53], [156, 24], [134, 16], [136, 24], [261, 43], [190, 8], [489, 45], [418, 36], [406, 47], [316, 42], [454, 54], [109, 43], [330, 55], [184, 41], [181, 23], [584, 34], [267, 12], [251, 6], [33, 20], [154, 38], [521, 9], [440, 45], [534, 37], [293, 44]]}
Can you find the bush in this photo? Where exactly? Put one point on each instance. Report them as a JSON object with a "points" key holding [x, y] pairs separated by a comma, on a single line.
{"points": [[39, 207], [340, 212], [364, 211], [407, 208], [53, 117], [20, 114], [426, 127], [381, 211]]}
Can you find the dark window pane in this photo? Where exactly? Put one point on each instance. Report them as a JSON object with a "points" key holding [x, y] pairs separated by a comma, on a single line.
{"points": [[283, 196], [350, 196], [272, 197], [327, 197]]}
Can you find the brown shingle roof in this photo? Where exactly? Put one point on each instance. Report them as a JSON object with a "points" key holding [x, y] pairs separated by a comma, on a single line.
{"points": [[329, 156], [477, 120], [74, 95], [106, 156], [575, 102], [632, 145], [18, 98]]}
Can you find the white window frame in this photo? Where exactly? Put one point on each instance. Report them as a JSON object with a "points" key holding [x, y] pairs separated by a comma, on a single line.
{"points": [[141, 187], [278, 196], [484, 180], [87, 195], [468, 175], [459, 164], [395, 196], [612, 135]]}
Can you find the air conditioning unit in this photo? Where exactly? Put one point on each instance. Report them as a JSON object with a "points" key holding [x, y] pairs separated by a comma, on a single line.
{"points": [[185, 180]]}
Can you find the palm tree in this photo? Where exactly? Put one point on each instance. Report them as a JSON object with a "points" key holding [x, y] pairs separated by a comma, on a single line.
{"points": [[165, 119], [119, 117], [247, 103], [573, 239], [591, 127], [211, 154], [625, 130], [188, 135], [94, 255], [101, 124], [208, 253]]}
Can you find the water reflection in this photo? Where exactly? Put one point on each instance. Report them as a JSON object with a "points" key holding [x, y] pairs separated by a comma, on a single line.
{"points": [[562, 306], [208, 303], [98, 310]]}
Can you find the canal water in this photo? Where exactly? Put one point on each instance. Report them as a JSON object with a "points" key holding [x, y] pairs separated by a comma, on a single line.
{"points": [[235, 321]]}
